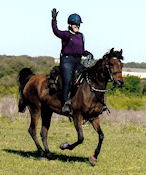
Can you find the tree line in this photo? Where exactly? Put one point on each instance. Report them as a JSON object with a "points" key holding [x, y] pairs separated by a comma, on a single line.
{"points": [[135, 65], [11, 65]]}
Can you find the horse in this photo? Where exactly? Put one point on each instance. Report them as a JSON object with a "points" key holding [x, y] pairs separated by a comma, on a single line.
{"points": [[87, 103]]}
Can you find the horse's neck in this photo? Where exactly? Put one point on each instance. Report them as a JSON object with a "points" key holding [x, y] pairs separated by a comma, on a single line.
{"points": [[99, 77]]}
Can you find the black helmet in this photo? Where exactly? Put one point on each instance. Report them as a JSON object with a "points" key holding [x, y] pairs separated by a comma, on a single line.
{"points": [[74, 19]]}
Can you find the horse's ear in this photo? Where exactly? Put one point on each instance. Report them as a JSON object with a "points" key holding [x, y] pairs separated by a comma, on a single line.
{"points": [[121, 51], [111, 51]]}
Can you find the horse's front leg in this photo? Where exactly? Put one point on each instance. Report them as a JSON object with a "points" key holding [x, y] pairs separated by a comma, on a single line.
{"points": [[78, 119], [96, 126]]}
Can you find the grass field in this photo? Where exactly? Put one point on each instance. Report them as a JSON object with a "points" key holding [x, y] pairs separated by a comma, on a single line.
{"points": [[123, 151]]}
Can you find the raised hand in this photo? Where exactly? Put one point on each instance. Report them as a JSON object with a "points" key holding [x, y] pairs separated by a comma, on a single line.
{"points": [[54, 13]]}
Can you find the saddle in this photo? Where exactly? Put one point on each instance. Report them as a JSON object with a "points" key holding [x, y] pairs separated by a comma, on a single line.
{"points": [[55, 80]]}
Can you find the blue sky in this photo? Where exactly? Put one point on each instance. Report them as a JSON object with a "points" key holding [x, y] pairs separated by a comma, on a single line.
{"points": [[25, 26]]}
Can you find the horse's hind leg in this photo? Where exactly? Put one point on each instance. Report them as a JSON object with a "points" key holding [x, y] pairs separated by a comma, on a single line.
{"points": [[35, 114], [78, 119], [46, 115], [96, 126]]}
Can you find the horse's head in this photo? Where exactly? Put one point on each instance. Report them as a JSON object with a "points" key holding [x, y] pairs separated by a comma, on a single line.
{"points": [[113, 66]]}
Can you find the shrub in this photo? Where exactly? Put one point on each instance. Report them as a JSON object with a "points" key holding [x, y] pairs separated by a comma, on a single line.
{"points": [[132, 85], [121, 101]]}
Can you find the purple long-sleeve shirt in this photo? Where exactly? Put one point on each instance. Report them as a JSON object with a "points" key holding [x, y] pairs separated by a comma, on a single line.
{"points": [[72, 44]]}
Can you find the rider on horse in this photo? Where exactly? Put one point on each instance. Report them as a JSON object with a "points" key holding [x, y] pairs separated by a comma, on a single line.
{"points": [[71, 53]]}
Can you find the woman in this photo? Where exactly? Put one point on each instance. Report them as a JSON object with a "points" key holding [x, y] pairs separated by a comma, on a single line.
{"points": [[71, 53]]}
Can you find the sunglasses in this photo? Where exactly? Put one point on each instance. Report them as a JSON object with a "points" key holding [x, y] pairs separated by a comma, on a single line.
{"points": [[78, 26]]}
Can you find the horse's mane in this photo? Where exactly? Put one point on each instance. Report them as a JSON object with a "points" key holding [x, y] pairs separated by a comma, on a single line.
{"points": [[116, 54], [107, 56], [95, 68]]}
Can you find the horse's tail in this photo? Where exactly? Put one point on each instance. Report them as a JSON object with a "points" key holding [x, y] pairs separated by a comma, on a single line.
{"points": [[23, 77]]}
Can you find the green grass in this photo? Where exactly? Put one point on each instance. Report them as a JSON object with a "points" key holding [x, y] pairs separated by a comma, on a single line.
{"points": [[123, 151]]}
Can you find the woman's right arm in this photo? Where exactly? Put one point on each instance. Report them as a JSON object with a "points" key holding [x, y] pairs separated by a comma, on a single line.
{"points": [[56, 31]]}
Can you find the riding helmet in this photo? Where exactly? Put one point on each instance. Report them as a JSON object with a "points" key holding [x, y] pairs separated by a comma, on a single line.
{"points": [[74, 19]]}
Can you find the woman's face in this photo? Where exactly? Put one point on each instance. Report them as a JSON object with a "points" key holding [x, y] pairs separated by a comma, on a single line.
{"points": [[75, 28]]}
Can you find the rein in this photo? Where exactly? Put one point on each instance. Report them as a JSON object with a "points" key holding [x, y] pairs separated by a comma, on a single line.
{"points": [[102, 90], [95, 89]]}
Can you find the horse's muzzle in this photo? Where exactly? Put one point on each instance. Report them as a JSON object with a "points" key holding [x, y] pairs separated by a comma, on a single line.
{"points": [[119, 83]]}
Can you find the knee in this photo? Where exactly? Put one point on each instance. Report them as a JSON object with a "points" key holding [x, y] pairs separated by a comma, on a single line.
{"points": [[31, 132], [101, 136], [43, 134], [66, 83], [44, 137], [80, 140]]}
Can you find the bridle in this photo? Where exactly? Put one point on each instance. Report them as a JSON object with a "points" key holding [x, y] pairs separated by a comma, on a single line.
{"points": [[111, 80], [112, 73]]}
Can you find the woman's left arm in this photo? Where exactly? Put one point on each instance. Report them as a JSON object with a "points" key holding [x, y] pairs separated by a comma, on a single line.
{"points": [[87, 53]]}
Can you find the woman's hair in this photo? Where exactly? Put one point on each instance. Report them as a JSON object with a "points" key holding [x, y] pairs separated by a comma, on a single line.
{"points": [[69, 27]]}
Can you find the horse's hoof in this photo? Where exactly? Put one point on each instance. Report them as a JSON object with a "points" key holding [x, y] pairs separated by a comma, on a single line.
{"points": [[41, 153], [64, 146], [48, 155], [92, 160]]}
